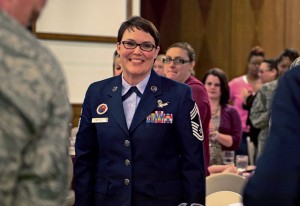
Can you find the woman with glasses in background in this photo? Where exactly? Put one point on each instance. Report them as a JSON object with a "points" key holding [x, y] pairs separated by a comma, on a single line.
{"points": [[179, 65]]}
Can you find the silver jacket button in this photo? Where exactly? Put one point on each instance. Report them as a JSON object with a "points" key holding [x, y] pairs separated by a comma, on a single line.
{"points": [[127, 162], [126, 181], [127, 143]]}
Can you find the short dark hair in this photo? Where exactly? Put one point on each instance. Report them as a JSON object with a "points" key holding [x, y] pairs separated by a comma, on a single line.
{"points": [[141, 24], [272, 63], [256, 51], [292, 54], [185, 46], [223, 83]]}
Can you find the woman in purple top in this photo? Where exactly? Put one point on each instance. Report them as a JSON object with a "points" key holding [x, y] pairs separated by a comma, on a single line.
{"points": [[225, 124]]}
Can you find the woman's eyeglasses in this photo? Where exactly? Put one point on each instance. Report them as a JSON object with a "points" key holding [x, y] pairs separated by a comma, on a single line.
{"points": [[176, 61], [143, 46]]}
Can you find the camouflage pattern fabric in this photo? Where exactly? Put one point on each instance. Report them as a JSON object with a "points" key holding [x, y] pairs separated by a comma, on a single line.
{"points": [[261, 111], [295, 63], [34, 114]]}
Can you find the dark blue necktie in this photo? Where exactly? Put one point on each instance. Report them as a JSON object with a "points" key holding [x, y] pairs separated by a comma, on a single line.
{"points": [[130, 91]]}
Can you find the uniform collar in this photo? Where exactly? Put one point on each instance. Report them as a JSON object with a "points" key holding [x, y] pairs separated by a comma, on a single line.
{"points": [[141, 86]]}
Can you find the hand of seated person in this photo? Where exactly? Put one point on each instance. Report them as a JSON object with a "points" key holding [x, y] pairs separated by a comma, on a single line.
{"points": [[231, 169], [213, 169]]}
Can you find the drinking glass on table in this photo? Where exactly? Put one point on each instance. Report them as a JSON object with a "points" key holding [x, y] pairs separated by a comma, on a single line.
{"points": [[241, 162], [228, 157]]}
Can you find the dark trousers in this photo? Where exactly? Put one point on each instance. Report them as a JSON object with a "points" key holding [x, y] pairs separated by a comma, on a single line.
{"points": [[243, 149]]}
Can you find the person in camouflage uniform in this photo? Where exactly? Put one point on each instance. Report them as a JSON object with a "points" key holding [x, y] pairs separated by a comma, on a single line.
{"points": [[34, 113], [261, 106], [261, 109]]}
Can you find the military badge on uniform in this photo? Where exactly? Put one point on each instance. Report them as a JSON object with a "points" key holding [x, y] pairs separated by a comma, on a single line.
{"points": [[196, 123], [160, 104], [159, 117], [102, 108], [115, 88], [153, 88]]}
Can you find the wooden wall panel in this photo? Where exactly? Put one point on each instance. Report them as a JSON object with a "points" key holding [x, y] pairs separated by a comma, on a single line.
{"points": [[222, 32], [168, 26], [243, 36], [292, 26], [76, 108], [191, 27], [217, 37], [271, 27]]}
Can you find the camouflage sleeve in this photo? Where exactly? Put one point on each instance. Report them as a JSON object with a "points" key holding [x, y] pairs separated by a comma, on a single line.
{"points": [[12, 143], [259, 113], [33, 168], [34, 121]]}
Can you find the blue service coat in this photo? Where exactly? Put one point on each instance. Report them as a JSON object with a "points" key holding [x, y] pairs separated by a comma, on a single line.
{"points": [[150, 163], [276, 180]]}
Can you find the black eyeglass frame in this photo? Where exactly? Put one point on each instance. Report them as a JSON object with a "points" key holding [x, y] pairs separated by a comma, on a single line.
{"points": [[176, 61], [134, 45]]}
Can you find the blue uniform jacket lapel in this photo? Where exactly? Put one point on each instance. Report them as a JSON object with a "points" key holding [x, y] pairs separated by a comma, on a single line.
{"points": [[148, 101], [115, 103]]}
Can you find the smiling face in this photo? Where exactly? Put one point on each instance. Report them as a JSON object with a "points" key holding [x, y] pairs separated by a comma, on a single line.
{"points": [[137, 64], [178, 72]]}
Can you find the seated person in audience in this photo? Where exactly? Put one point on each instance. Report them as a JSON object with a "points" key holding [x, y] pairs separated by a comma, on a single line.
{"points": [[225, 124], [179, 65], [159, 65], [117, 66], [214, 169]]}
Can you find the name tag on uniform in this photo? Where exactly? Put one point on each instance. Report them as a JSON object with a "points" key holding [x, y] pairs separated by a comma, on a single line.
{"points": [[100, 120]]}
